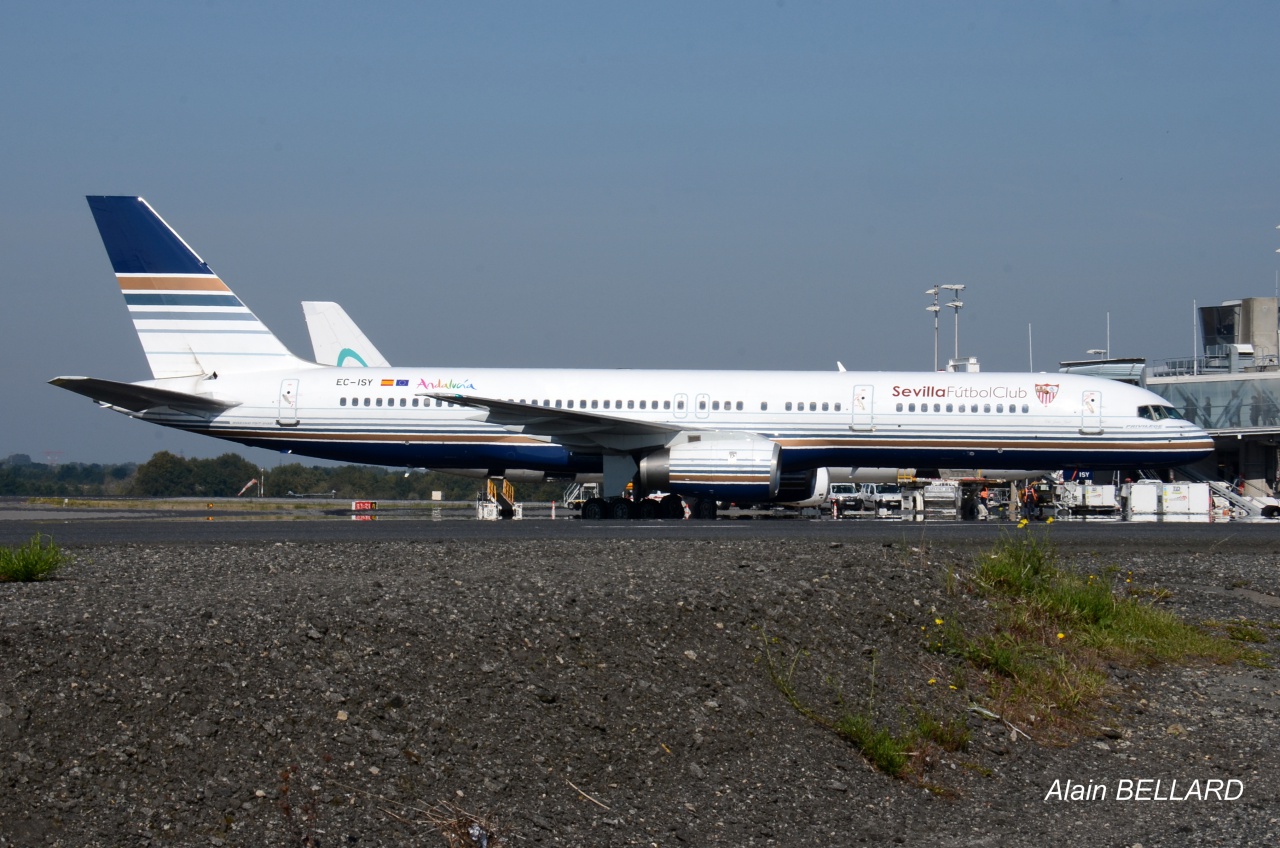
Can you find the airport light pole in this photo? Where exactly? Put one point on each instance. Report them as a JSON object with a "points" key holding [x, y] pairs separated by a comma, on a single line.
{"points": [[935, 309], [955, 304]]}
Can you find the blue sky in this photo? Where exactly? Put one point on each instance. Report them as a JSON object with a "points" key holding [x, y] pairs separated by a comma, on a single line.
{"points": [[705, 185]]}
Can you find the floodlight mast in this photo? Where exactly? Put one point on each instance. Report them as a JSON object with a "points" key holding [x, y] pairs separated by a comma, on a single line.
{"points": [[935, 309], [956, 303]]}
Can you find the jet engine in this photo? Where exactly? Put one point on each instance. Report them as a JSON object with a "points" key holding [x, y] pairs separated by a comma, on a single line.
{"points": [[732, 468]]}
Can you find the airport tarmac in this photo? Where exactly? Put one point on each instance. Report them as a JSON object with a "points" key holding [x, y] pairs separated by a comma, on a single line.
{"points": [[19, 521]]}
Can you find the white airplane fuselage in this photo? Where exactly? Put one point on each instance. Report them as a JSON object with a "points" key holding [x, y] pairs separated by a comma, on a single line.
{"points": [[400, 417]]}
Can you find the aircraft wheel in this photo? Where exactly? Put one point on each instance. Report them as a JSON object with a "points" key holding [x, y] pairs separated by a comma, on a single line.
{"points": [[650, 509], [621, 509], [705, 509], [593, 509], [672, 507]]}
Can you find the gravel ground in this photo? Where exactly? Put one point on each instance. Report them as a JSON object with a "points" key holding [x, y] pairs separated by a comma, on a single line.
{"points": [[587, 693]]}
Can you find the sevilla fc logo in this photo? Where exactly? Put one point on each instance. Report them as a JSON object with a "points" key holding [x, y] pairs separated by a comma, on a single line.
{"points": [[1046, 392]]}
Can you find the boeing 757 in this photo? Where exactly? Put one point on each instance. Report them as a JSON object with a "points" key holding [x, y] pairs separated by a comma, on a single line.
{"points": [[706, 436]]}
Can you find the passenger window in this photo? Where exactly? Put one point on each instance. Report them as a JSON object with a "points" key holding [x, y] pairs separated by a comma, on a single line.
{"points": [[813, 406], [1024, 408], [415, 403], [837, 406], [606, 404], [653, 404], [571, 403], [702, 404], [378, 402], [999, 407], [937, 407], [986, 407], [949, 409], [824, 406], [679, 404], [342, 401], [631, 404], [715, 404], [666, 404], [595, 404], [402, 402], [738, 406], [788, 407], [557, 403], [642, 404]]}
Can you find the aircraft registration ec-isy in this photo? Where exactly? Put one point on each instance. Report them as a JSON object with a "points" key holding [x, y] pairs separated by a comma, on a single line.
{"points": [[704, 436]]}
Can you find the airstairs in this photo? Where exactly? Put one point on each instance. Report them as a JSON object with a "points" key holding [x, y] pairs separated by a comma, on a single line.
{"points": [[1241, 505], [500, 502]]}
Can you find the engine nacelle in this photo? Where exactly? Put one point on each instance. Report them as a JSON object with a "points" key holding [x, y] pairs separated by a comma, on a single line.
{"points": [[729, 469], [805, 488]]}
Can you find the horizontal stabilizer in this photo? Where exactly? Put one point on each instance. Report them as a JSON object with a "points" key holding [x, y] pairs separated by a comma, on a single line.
{"points": [[137, 398]]}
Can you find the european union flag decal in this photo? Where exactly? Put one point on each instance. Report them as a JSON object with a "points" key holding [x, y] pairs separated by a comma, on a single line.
{"points": [[402, 382]]}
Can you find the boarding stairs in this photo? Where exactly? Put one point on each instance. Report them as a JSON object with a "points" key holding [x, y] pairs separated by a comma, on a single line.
{"points": [[1241, 505], [501, 502]]}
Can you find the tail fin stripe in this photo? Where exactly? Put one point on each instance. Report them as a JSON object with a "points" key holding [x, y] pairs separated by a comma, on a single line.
{"points": [[158, 282], [155, 299], [204, 315], [147, 331]]}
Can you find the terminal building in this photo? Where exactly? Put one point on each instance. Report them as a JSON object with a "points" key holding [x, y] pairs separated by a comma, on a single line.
{"points": [[1231, 388]]}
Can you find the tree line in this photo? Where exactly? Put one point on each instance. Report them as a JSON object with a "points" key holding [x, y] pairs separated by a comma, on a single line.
{"points": [[167, 475]]}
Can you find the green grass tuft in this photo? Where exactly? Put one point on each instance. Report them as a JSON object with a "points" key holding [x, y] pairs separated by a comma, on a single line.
{"points": [[38, 559]]}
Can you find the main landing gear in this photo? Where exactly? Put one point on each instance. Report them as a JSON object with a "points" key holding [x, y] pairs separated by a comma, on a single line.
{"points": [[671, 507]]}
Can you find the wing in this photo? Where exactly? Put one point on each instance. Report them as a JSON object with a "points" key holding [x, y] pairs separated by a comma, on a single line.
{"points": [[566, 425]]}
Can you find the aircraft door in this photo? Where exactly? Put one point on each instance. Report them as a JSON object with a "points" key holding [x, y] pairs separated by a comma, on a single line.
{"points": [[681, 408], [287, 408], [1091, 412], [702, 406], [862, 400]]}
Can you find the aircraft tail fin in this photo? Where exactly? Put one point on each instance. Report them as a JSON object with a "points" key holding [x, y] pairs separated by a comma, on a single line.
{"points": [[337, 340], [189, 322]]}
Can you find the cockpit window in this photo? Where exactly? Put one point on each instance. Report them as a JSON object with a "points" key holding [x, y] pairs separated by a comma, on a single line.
{"points": [[1158, 413]]}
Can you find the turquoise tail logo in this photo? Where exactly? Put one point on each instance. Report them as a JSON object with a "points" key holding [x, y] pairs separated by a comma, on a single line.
{"points": [[348, 353]]}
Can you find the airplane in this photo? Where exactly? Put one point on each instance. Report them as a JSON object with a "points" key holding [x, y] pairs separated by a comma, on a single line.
{"points": [[337, 340], [705, 436]]}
